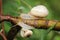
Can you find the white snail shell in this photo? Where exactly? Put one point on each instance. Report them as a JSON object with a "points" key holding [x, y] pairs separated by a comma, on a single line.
{"points": [[39, 11], [26, 33]]}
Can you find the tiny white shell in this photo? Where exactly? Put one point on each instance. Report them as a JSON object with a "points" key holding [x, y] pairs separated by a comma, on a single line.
{"points": [[26, 33], [39, 11]]}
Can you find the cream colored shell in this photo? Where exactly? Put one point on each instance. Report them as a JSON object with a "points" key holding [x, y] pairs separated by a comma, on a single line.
{"points": [[26, 33], [39, 11]]}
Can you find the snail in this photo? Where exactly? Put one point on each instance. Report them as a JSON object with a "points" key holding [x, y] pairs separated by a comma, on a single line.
{"points": [[37, 12]]}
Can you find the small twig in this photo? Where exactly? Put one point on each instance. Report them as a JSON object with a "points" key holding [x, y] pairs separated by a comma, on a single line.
{"points": [[0, 6], [3, 35], [2, 24], [37, 23], [26, 4]]}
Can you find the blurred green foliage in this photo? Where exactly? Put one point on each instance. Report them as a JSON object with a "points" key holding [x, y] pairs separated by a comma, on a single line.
{"points": [[14, 7]]}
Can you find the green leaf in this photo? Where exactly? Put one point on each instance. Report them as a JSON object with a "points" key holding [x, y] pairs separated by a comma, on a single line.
{"points": [[10, 7], [7, 26], [14, 7]]}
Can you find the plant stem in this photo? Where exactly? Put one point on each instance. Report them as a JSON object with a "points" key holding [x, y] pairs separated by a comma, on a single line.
{"points": [[37, 23], [26, 4], [3, 35]]}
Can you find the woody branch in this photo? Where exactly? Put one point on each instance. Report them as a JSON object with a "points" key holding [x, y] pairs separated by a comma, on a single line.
{"points": [[37, 23]]}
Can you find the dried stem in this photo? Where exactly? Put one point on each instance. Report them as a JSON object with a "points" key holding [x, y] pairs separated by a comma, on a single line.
{"points": [[43, 23], [0, 6], [3, 34], [8, 18], [37, 23]]}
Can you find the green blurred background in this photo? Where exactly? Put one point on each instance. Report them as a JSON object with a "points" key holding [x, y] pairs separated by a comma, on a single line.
{"points": [[16, 7]]}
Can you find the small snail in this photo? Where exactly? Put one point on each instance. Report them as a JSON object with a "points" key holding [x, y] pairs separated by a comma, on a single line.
{"points": [[37, 12]]}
